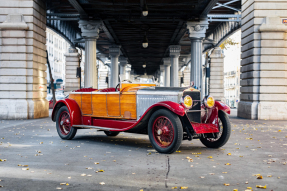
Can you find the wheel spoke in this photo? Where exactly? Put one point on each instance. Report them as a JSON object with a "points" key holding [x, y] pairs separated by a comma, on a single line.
{"points": [[163, 131]]}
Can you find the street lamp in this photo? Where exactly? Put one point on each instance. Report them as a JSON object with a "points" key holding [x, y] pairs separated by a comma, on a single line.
{"points": [[145, 42], [145, 10]]}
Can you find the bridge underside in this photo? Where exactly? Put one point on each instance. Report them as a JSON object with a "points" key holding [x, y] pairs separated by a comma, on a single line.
{"points": [[124, 24]]}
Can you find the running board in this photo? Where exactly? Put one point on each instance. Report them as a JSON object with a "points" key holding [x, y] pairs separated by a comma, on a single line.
{"points": [[94, 127]]}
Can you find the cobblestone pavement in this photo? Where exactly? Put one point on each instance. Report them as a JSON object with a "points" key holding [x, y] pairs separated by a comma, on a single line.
{"points": [[37, 159]]}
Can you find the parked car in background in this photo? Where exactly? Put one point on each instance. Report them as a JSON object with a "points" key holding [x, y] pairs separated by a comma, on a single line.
{"points": [[167, 115]]}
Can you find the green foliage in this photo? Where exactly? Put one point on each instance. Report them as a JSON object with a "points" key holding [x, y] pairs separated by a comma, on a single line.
{"points": [[228, 42]]}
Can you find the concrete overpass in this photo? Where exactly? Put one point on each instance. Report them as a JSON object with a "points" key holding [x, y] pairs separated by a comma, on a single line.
{"points": [[172, 29]]}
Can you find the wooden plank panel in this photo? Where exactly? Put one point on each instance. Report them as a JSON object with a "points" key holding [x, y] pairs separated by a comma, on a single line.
{"points": [[99, 105], [128, 105], [113, 103], [87, 104], [77, 98]]}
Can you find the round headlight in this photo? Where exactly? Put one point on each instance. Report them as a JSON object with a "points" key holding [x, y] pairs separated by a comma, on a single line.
{"points": [[187, 101], [209, 101]]}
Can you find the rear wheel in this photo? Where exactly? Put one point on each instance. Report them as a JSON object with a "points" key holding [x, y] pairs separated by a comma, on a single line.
{"points": [[111, 133], [63, 123], [223, 135], [165, 131]]}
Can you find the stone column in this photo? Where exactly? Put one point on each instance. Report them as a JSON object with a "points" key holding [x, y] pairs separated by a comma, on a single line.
{"points": [[264, 61], [90, 32], [196, 31], [123, 63], [161, 78], [72, 62], [23, 84], [174, 52], [114, 54], [217, 74], [166, 63]]}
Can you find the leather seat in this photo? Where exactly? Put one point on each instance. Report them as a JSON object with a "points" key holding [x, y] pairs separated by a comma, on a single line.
{"points": [[86, 90], [108, 90]]}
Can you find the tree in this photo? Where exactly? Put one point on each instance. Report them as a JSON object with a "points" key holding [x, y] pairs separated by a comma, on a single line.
{"points": [[228, 42], [51, 80]]}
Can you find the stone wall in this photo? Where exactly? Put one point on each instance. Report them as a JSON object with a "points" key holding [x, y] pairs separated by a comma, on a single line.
{"points": [[264, 60], [72, 62], [23, 60], [216, 86]]}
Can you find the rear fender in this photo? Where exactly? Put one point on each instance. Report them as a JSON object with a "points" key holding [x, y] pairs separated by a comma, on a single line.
{"points": [[74, 110]]}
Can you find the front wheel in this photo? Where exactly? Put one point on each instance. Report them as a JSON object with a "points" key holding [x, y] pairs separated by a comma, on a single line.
{"points": [[63, 123], [165, 131], [223, 135]]}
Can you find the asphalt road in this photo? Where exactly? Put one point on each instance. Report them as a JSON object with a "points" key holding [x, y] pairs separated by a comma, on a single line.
{"points": [[129, 162]]}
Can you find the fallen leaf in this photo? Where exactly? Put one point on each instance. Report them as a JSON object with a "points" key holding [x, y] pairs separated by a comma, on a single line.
{"points": [[269, 175], [259, 177], [102, 183], [183, 187], [41, 143], [2, 160], [173, 187], [25, 168], [89, 168], [210, 157], [224, 172], [63, 183], [227, 164], [235, 189], [101, 171], [178, 151], [229, 154], [250, 188], [226, 184], [259, 186], [190, 160], [96, 163]]}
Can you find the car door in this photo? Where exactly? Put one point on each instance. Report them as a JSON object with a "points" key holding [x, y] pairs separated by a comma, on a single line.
{"points": [[113, 104]]}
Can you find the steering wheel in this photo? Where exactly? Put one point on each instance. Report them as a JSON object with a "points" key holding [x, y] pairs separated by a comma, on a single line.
{"points": [[126, 80], [117, 87]]}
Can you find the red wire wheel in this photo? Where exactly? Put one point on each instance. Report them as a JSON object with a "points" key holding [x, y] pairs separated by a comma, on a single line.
{"points": [[64, 124], [163, 131]]}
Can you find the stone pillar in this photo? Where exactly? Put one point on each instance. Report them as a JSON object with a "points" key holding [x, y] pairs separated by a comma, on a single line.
{"points": [[166, 63], [196, 31], [264, 61], [123, 63], [161, 78], [72, 62], [23, 84], [174, 52], [114, 54], [90, 32], [217, 74]]}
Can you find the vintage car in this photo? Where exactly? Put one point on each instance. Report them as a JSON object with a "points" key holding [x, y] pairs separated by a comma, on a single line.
{"points": [[167, 114]]}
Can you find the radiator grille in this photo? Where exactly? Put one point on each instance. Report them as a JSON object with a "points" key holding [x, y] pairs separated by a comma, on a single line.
{"points": [[194, 114]]}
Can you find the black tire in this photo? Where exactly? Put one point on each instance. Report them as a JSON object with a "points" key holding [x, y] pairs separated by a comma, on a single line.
{"points": [[174, 129], [226, 130], [111, 133], [61, 129]]}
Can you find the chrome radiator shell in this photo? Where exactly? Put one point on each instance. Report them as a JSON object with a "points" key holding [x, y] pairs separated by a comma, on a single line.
{"points": [[146, 97]]}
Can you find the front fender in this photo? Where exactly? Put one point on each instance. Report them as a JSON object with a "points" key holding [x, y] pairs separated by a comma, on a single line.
{"points": [[222, 106], [74, 110], [172, 106]]}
